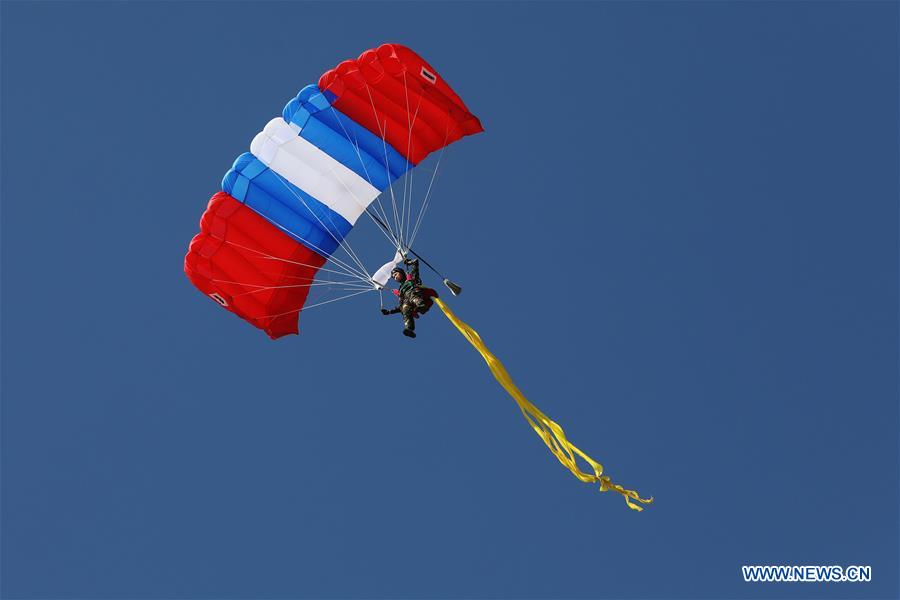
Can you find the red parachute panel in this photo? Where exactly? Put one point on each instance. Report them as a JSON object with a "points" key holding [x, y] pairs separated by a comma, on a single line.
{"points": [[395, 94], [249, 267]]}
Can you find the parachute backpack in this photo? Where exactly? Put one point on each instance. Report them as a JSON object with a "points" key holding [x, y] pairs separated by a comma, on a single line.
{"points": [[286, 206]]}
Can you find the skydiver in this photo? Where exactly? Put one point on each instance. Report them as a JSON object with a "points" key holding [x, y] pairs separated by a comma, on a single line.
{"points": [[415, 298]]}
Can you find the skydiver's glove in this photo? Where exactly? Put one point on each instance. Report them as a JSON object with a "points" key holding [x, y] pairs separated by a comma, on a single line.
{"points": [[408, 261], [385, 312]]}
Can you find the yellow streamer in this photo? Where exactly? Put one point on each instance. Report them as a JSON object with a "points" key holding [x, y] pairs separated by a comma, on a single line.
{"points": [[552, 434]]}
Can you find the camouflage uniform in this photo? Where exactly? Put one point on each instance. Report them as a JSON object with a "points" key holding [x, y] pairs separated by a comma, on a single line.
{"points": [[415, 299]]}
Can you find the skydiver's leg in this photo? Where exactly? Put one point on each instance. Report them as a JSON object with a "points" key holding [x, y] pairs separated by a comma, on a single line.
{"points": [[420, 304], [409, 323]]}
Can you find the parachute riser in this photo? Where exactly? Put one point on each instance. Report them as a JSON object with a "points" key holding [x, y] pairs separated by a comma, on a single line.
{"points": [[454, 288]]}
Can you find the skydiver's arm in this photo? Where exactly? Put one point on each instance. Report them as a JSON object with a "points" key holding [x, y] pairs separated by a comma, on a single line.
{"points": [[413, 269], [393, 311]]}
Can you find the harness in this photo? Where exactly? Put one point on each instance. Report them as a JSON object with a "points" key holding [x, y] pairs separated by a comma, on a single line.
{"points": [[415, 289]]}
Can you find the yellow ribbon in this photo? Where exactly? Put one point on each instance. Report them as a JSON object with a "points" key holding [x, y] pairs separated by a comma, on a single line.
{"points": [[552, 434]]}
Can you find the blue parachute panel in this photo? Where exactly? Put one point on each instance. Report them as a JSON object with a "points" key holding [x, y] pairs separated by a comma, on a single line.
{"points": [[288, 207], [336, 134]]}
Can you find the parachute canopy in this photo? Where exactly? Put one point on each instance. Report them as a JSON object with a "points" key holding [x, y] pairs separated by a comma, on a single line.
{"points": [[288, 204]]}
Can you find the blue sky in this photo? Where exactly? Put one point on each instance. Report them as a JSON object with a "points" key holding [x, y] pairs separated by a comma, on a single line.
{"points": [[679, 232]]}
